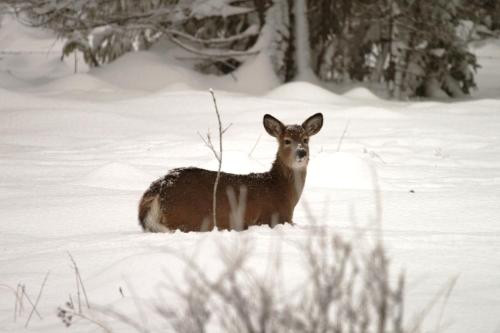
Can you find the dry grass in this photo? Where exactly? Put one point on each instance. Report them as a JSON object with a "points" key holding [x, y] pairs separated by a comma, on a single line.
{"points": [[345, 291]]}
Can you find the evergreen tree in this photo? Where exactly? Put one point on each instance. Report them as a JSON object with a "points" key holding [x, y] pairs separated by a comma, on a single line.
{"points": [[106, 29], [414, 47]]}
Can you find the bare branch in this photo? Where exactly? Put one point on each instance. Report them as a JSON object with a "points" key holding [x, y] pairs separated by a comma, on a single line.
{"points": [[227, 127], [343, 135], [216, 184], [255, 145], [25, 295], [208, 142], [79, 282], [37, 299]]}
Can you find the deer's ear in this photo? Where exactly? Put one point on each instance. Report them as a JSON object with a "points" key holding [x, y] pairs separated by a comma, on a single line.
{"points": [[313, 124], [273, 126]]}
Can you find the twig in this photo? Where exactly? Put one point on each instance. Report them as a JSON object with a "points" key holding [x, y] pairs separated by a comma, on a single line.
{"points": [[37, 299], [78, 298], [254, 146], [79, 283], [218, 156], [445, 292], [227, 127], [20, 294], [237, 207], [378, 203], [16, 294], [140, 311], [83, 316], [18, 297], [25, 295], [343, 135], [209, 144], [447, 295]]}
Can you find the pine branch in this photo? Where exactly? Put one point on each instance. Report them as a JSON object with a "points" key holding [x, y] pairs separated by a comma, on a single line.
{"points": [[211, 53], [250, 32]]}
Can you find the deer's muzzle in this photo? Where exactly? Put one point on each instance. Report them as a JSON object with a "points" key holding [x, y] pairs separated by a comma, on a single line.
{"points": [[300, 154]]}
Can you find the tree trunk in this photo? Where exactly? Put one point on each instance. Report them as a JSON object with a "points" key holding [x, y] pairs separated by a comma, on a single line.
{"points": [[398, 52], [381, 61], [302, 45]]}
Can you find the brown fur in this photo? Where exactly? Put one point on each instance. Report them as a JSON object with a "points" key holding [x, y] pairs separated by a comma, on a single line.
{"points": [[144, 206], [185, 195]]}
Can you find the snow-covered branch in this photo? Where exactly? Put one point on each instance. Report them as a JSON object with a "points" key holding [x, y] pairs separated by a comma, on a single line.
{"points": [[250, 32], [211, 53], [103, 29]]}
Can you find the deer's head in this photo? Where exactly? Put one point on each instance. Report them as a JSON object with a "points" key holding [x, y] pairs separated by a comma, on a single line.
{"points": [[293, 139]]}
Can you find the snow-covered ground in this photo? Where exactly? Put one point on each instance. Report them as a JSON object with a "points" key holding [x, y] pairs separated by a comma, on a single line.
{"points": [[77, 151]]}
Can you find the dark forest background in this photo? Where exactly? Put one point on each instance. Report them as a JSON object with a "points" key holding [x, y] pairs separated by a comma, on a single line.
{"points": [[410, 47]]}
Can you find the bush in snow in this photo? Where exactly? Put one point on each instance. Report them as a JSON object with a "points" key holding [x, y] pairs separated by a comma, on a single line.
{"points": [[411, 46], [345, 288], [219, 33], [414, 48]]}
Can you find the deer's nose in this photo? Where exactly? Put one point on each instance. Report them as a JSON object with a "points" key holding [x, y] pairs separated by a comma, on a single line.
{"points": [[301, 153]]}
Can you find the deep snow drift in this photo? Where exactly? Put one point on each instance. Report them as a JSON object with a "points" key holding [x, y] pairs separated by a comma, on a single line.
{"points": [[77, 151]]}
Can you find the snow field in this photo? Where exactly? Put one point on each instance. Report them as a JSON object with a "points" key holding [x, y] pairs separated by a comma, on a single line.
{"points": [[77, 152], [72, 175]]}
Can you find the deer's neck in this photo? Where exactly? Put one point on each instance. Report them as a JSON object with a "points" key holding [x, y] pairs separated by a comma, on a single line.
{"points": [[290, 180]]}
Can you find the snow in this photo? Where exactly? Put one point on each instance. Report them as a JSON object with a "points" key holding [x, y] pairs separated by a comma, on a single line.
{"points": [[17, 37], [488, 54], [205, 8], [117, 176], [304, 91], [77, 152], [345, 170]]}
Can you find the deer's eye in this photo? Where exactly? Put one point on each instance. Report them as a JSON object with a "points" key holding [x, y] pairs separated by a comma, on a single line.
{"points": [[306, 140], [288, 141]]}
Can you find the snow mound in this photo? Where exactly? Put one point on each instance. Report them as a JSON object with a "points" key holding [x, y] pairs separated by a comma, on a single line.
{"points": [[25, 70], [304, 91], [255, 76], [487, 48], [145, 71], [489, 72], [30, 56], [9, 81], [361, 93], [176, 87], [17, 37], [164, 73], [340, 170], [117, 176], [77, 82], [7, 95]]}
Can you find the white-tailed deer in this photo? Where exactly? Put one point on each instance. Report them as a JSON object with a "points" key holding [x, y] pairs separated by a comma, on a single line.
{"points": [[183, 198]]}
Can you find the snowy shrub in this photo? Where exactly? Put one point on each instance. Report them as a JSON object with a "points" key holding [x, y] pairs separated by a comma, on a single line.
{"points": [[409, 45], [346, 289], [430, 50], [342, 287], [218, 33], [414, 48]]}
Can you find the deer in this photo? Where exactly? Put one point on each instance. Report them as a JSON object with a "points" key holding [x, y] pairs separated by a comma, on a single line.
{"points": [[183, 198]]}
